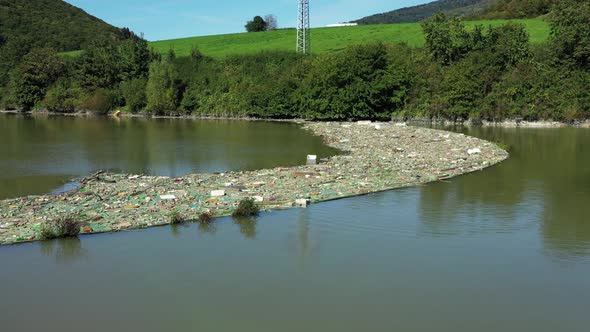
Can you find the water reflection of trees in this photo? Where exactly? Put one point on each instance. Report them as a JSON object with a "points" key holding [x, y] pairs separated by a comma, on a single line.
{"points": [[66, 251], [175, 147], [247, 227], [209, 228], [71, 146], [548, 174]]}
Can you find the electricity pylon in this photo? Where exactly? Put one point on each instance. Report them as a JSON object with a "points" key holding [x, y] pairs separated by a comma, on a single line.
{"points": [[303, 35]]}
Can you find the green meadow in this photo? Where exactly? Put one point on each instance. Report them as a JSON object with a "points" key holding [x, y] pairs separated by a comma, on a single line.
{"points": [[323, 39]]}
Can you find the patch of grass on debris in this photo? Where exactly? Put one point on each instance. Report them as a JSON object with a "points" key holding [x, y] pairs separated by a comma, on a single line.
{"points": [[61, 227], [205, 217], [176, 218], [246, 208]]}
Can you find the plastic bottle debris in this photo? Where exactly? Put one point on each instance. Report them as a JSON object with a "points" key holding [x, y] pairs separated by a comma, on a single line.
{"points": [[372, 160], [217, 193], [474, 151], [302, 202]]}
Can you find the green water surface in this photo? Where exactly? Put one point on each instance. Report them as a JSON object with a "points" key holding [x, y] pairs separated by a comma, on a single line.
{"points": [[504, 249], [39, 155]]}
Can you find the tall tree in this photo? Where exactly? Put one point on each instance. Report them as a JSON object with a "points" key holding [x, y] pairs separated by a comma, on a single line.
{"points": [[570, 32], [446, 38], [39, 69], [257, 24], [161, 95], [99, 67], [271, 22]]}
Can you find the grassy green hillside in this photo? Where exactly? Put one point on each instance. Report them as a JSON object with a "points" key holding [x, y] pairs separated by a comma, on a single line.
{"points": [[323, 39]]}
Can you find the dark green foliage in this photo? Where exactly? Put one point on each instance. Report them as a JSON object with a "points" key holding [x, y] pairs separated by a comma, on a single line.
{"points": [[135, 58], [358, 83], [63, 97], [509, 44], [52, 23], [106, 65], [11, 53], [134, 94], [171, 55], [246, 208], [63, 227], [448, 41], [35, 73], [100, 101], [160, 90], [537, 91], [422, 12], [29, 24], [259, 85], [98, 67], [570, 32], [446, 38], [509, 9], [256, 25], [495, 77]]}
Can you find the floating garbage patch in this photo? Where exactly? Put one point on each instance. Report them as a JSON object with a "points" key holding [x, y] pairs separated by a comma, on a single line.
{"points": [[377, 157]]}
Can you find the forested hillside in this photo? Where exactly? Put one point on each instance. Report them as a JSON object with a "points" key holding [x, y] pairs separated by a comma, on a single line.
{"points": [[422, 12], [51, 23], [29, 24], [509, 9]]}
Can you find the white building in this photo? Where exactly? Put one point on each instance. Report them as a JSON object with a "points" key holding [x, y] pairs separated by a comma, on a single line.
{"points": [[338, 25]]}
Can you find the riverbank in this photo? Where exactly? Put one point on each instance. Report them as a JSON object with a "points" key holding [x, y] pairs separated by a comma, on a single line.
{"points": [[509, 123], [377, 157]]}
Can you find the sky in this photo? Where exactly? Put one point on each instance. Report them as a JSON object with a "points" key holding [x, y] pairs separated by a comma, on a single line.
{"points": [[159, 19]]}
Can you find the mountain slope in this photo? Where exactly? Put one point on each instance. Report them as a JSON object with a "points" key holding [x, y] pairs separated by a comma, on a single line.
{"points": [[30, 24], [51, 23], [421, 12]]}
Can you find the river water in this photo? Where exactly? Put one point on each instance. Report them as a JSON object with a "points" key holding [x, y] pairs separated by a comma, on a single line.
{"points": [[42, 154], [506, 249]]}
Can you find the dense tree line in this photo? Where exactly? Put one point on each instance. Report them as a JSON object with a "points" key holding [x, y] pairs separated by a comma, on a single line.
{"points": [[488, 73]]}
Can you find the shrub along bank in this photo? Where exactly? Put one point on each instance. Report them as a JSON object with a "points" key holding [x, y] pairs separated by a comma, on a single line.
{"points": [[488, 73]]}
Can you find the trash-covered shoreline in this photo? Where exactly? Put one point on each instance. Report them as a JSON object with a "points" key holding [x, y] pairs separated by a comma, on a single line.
{"points": [[376, 157]]}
